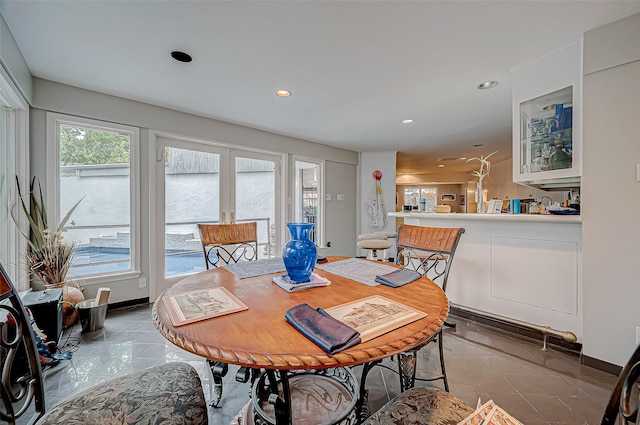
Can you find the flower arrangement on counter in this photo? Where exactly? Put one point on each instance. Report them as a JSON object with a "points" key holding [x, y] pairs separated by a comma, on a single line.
{"points": [[485, 166]]}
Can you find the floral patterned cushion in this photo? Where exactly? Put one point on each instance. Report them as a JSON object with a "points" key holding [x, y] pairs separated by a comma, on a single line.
{"points": [[420, 406], [168, 394]]}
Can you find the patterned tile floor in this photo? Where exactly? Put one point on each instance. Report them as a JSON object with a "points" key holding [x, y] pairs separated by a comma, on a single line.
{"points": [[536, 387]]}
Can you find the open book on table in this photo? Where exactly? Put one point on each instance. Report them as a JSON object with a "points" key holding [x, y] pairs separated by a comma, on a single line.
{"points": [[489, 414]]}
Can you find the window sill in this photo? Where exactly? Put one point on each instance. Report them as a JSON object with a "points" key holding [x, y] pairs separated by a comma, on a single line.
{"points": [[107, 278]]}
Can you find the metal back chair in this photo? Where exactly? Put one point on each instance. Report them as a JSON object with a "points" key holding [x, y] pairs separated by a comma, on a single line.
{"points": [[157, 394], [620, 406], [229, 243], [21, 374], [430, 406], [430, 251]]}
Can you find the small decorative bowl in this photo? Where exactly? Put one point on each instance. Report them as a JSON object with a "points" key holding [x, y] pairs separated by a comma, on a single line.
{"points": [[442, 209]]}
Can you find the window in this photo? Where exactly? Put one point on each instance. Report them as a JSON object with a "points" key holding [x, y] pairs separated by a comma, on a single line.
{"points": [[413, 195], [6, 181], [95, 163], [14, 162]]}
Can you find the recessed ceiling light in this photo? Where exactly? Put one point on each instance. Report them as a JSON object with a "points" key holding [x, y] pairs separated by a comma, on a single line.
{"points": [[488, 85], [181, 56], [283, 93], [478, 145], [440, 165], [407, 121]]}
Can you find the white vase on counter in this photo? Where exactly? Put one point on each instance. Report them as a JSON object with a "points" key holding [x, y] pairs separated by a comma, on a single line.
{"points": [[480, 199]]}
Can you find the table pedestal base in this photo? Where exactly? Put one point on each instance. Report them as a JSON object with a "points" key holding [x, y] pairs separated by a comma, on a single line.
{"points": [[309, 397]]}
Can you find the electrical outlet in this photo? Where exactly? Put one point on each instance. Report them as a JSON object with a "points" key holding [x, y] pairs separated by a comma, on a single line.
{"points": [[142, 282]]}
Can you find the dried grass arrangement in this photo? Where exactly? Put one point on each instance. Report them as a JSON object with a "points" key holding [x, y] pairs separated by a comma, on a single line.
{"points": [[48, 256]]}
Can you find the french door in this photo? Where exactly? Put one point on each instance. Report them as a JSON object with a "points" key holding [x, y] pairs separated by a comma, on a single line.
{"points": [[203, 183]]}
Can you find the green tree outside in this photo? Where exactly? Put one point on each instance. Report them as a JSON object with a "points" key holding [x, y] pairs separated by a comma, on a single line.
{"points": [[86, 146]]}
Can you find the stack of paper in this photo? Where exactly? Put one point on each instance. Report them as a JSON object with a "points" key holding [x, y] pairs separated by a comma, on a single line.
{"points": [[489, 414], [285, 283]]}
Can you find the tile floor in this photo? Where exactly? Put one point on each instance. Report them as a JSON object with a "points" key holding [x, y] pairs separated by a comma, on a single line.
{"points": [[536, 387]]}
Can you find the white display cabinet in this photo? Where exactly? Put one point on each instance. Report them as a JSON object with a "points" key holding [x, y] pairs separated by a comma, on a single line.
{"points": [[547, 137]]}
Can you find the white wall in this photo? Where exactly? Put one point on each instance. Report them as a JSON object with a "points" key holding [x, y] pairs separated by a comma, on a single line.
{"points": [[500, 185], [611, 224], [13, 64], [369, 162], [340, 216], [49, 96]]}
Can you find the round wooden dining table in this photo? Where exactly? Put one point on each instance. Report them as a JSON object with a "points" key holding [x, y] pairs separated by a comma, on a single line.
{"points": [[261, 338]]}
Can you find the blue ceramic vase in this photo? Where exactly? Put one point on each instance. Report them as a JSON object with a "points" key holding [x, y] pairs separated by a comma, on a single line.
{"points": [[299, 254]]}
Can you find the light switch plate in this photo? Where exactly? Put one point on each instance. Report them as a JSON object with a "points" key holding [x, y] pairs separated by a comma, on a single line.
{"points": [[638, 172], [327, 196], [340, 197]]}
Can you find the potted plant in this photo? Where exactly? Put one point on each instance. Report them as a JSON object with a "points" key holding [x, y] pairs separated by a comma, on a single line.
{"points": [[49, 256]]}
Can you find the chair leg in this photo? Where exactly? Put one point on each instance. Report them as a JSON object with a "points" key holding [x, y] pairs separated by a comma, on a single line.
{"points": [[407, 366], [442, 367], [363, 409]]}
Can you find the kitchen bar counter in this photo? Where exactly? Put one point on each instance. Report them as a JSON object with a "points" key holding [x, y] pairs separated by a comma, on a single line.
{"points": [[535, 218], [522, 266]]}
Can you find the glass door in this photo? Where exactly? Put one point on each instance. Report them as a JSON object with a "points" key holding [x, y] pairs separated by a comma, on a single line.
{"points": [[192, 195], [256, 181], [203, 183], [308, 196]]}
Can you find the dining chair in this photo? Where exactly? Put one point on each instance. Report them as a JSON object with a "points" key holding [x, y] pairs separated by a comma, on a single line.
{"points": [[228, 243], [168, 394], [430, 251], [432, 406]]}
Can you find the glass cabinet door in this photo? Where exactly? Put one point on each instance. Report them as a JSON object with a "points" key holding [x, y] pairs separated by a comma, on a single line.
{"points": [[546, 133]]}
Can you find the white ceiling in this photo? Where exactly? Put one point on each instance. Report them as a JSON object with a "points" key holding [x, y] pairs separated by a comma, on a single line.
{"points": [[356, 68]]}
